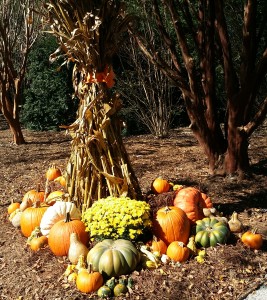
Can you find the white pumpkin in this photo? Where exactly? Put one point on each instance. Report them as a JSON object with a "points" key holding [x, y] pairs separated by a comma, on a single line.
{"points": [[15, 217], [58, 212]]}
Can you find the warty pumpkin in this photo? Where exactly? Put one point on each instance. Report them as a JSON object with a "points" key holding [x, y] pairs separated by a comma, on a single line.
{"points": [[58, 212], [171, 224], [192, 202], [113, 257], [59, 235]]}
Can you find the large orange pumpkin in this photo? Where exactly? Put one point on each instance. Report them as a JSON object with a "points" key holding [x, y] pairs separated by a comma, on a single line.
{"points": [[31, 217], [59, 235], [171, 224], [192, 202]]}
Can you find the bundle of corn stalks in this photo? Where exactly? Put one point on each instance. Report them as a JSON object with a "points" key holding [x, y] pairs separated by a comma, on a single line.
{"points": [[89, 34]]}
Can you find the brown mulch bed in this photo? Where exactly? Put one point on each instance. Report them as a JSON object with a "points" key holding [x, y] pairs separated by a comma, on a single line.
{"points": [[229, 272]]}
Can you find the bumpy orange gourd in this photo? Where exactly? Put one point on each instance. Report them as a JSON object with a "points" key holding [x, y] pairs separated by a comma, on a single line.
{"points": [[171, 224], [31, 217], [160, 185], [178, 252], [38, 243], [52, 173], [12, 207], [89, 282], [252, 239], [59, 235], [192, 202]]}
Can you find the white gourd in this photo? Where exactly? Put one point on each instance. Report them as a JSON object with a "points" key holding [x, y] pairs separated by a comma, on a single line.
{"points": [[76, 249], [16, 219], [58, 212]]}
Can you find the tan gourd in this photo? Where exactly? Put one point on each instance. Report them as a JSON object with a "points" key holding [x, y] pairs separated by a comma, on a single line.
{"points": [[76, 249], [235, 224]]}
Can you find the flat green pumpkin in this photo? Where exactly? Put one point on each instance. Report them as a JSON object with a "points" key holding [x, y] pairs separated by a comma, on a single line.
{"points": [[210, 232], [113, 258]]}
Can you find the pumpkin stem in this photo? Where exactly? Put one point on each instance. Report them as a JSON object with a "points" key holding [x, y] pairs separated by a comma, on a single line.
{"points": [[167, 209], [68, 218]]}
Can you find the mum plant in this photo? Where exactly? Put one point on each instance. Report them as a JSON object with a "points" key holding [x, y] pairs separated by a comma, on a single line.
{"points": [[118, 217]]}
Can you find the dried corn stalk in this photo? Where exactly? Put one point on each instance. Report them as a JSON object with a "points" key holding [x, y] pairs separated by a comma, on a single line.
{"points": [[89, 34]]}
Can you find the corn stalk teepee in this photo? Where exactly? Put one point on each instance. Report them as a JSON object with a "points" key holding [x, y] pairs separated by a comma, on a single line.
{"points": [[89, 34]]}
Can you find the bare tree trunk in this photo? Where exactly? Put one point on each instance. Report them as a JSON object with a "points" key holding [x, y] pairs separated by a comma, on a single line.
{"points": [[11, 114]]}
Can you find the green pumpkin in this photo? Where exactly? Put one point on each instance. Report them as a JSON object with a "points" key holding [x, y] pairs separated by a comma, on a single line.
{"points": [[210, 232], [114, 258], [104, 292]]}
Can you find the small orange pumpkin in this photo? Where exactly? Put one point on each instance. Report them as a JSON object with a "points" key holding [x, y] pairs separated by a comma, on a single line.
{"points": [[88, 281], [31, 217], [160, 185], [157, 245], [252, 239], [59, 235], [171, 224], [33, 196], [192, 202], [52, 173], [178, 252], [12, 207]]}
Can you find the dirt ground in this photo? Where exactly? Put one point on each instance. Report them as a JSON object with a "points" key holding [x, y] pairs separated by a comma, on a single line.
{"points": [[230, 271]]}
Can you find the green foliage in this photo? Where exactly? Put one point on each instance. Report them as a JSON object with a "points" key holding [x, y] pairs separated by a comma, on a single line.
{"points": [[117, 218], [48, 92]]}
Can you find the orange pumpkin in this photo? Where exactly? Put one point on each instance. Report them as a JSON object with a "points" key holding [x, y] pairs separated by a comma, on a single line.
{"points": [[59, 235], [157, 245], [89, 282], [160, 185], [190, 200], [52, 173], [31, 217], [12, 207], [178, 252], [171, 224], [252, 239], [33, 196]]}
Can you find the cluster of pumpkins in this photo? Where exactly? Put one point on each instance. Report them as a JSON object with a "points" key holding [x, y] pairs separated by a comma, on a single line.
{"points": [[180, 231]]}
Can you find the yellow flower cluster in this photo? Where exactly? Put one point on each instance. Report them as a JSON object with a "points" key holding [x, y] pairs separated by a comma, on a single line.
{"points": [[117, 218]]}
